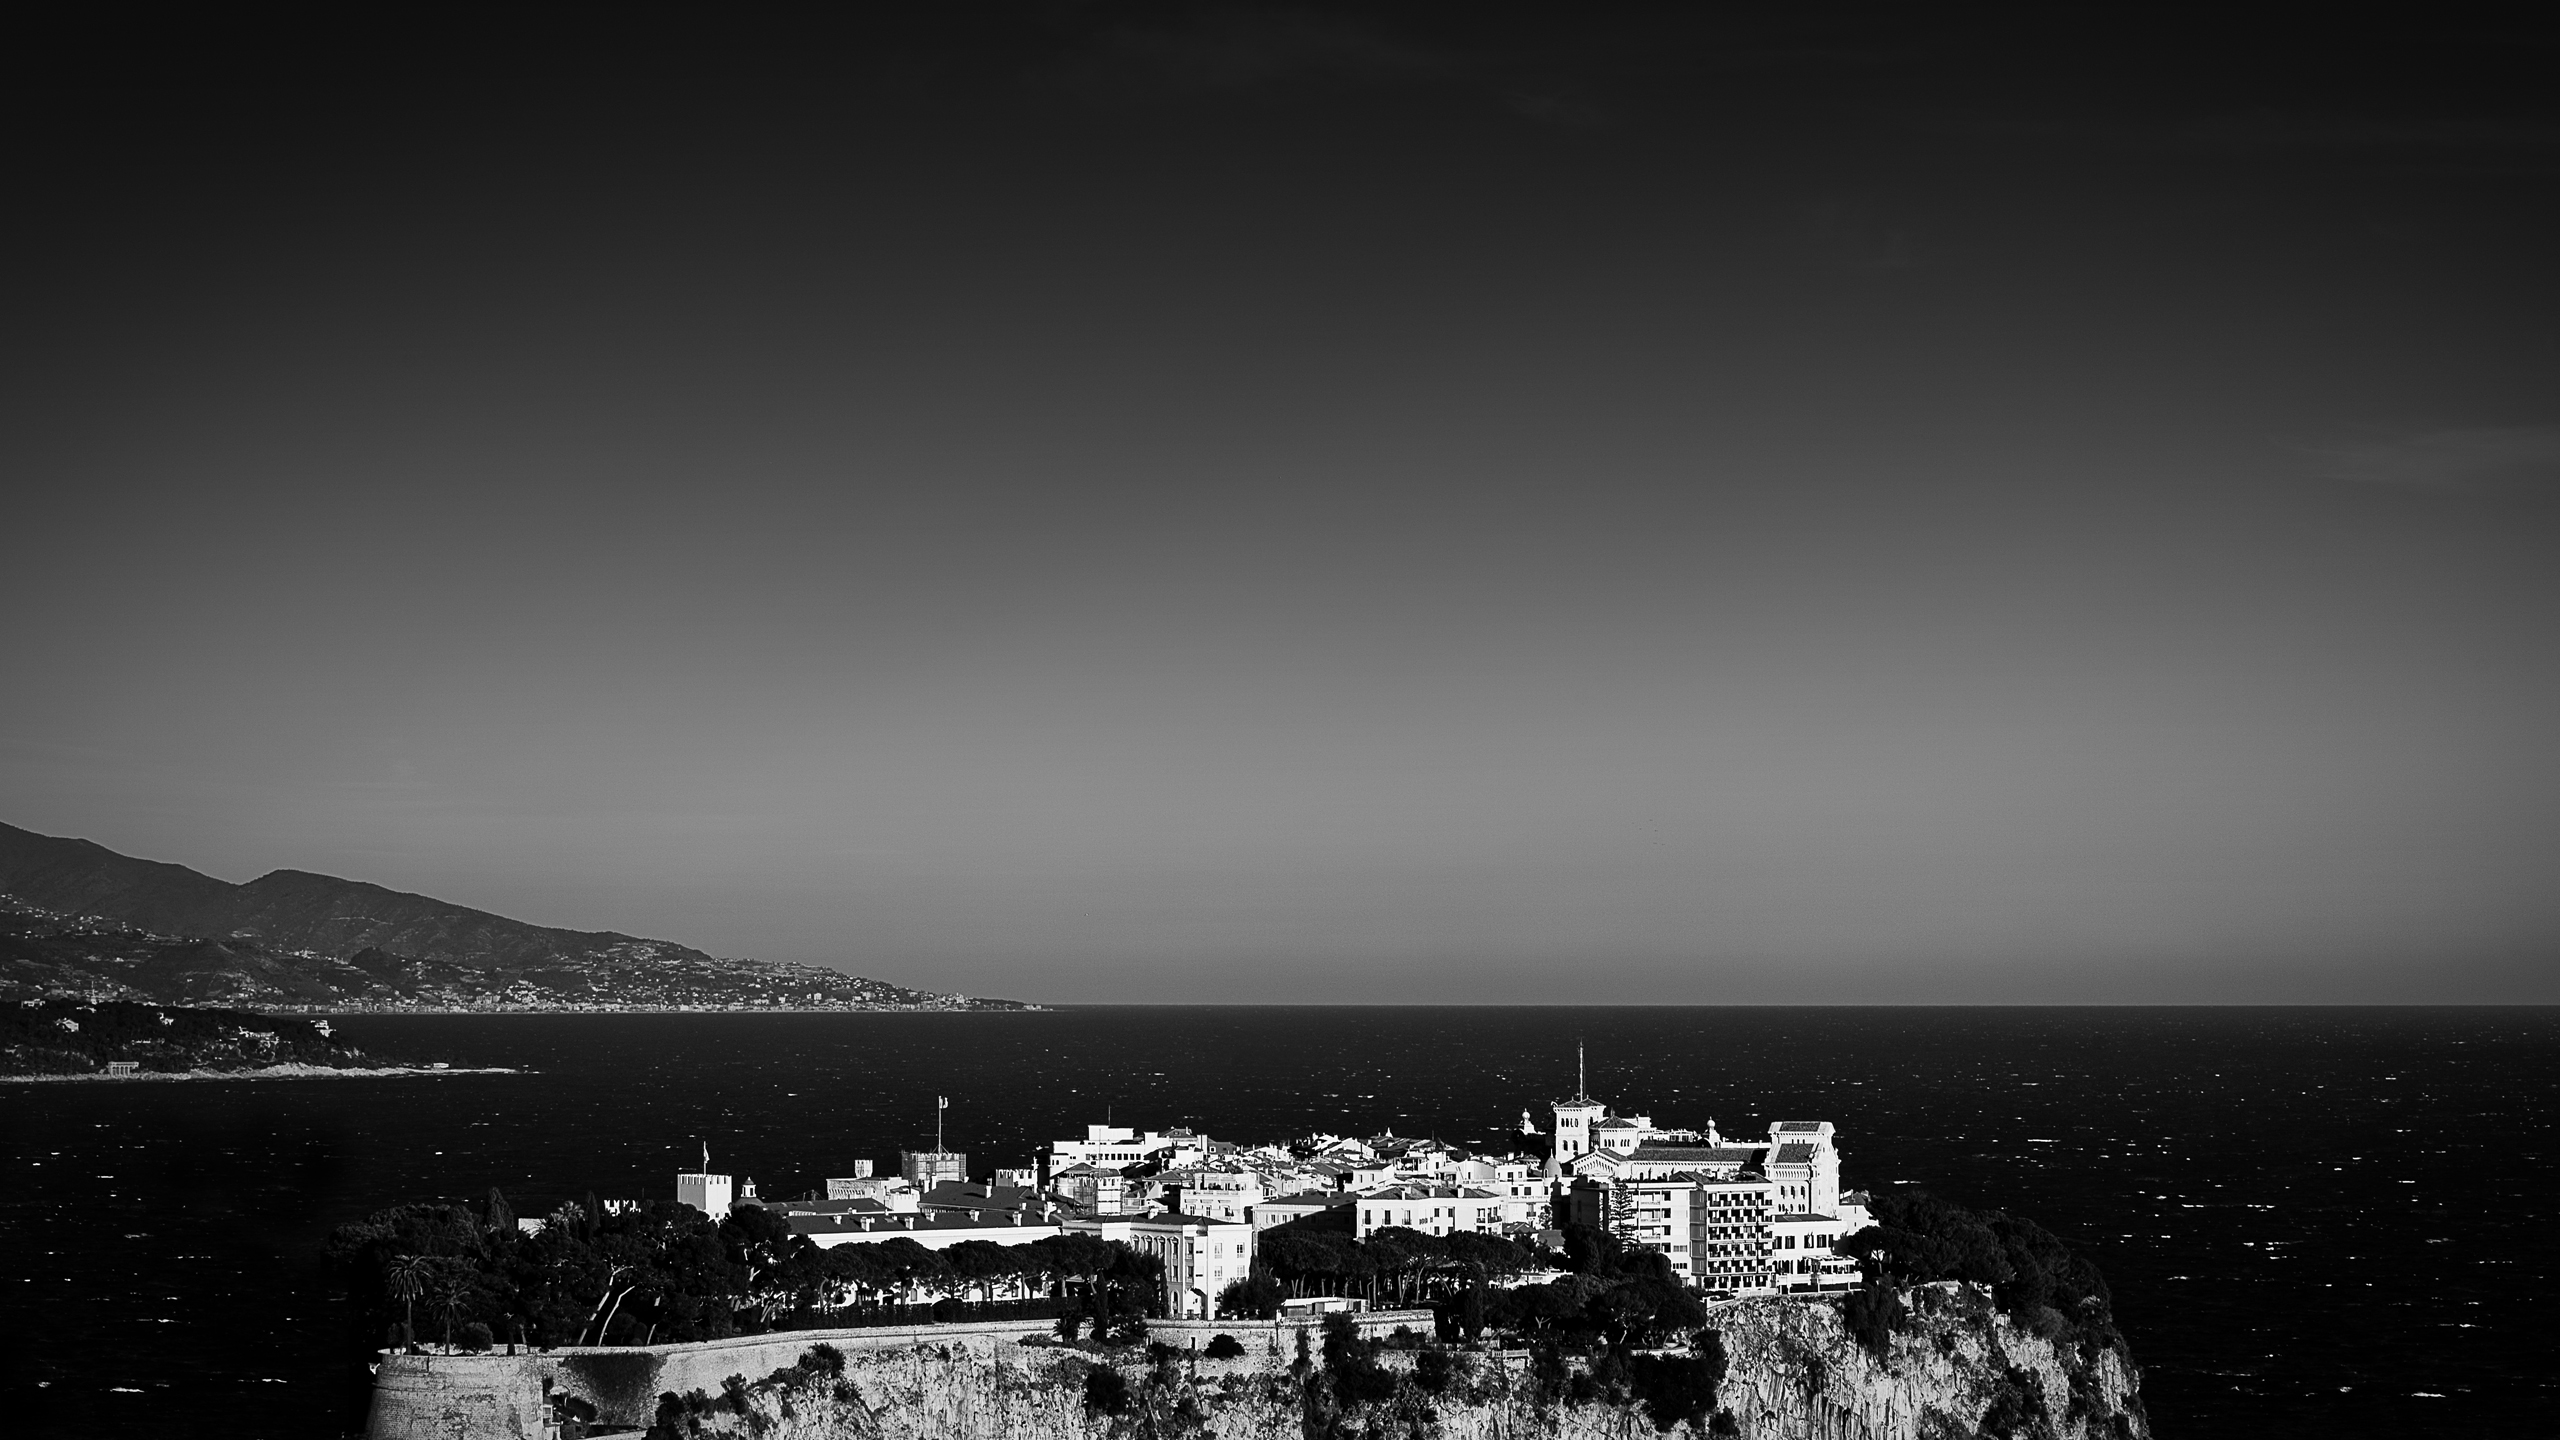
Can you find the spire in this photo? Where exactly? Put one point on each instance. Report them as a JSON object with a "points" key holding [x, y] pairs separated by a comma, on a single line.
{"points": [[1581, 1077]]}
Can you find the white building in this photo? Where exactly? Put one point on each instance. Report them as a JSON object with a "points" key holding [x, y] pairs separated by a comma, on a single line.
{"points": [[1305, 1203], [1729, 1244], [1118, 1146], [893, 1192], [1202, 1257], [705, 1192], [1525, 1194], [927, 1168], [1804, 1163], [1095, 1189], [1214, 1194], [1431, 1209]]}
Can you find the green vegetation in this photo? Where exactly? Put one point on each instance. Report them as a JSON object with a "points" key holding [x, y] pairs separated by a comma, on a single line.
{"points": [[65, 1037], [2032, 1276], [664, 1272]]}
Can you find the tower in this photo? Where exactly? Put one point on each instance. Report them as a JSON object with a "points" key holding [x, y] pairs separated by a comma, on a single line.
{"points": [[1575, 1117], [705, 1191]]}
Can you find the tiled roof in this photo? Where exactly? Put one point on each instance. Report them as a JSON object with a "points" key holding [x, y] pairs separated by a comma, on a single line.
{"points": [[1794, 1152], [1808, 1127], [902, 1224], [1614, 1123], [789, 1208], [1693, 1154]]}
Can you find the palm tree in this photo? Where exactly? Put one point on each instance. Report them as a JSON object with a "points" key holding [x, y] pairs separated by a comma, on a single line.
{"points": [[406, 1278]]}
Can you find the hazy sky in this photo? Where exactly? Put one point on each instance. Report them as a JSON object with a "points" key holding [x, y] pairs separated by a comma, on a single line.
{"points": [[1289, 504]]}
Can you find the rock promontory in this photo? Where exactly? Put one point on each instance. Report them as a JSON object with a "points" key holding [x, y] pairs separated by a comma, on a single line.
{"points": [[1949, 1364]]}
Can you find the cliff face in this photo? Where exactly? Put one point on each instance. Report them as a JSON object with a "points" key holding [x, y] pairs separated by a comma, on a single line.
{"points": [[1957, 1369]]}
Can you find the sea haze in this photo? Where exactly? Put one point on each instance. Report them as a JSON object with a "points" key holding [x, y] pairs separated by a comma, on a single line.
{"points": [[2315, 1221]]}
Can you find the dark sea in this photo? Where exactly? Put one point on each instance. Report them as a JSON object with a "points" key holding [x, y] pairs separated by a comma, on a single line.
{"points": [[2322, 1222]]}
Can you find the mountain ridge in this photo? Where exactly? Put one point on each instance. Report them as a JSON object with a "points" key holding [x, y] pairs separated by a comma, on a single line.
{"points": [[79, 910]]}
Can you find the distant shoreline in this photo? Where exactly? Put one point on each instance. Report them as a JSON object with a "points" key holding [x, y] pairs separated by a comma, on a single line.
{"points": [[268, 1072], [334, 1012]]}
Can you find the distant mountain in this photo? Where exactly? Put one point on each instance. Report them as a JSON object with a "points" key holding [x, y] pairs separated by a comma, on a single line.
{"points": [[78, 917]]}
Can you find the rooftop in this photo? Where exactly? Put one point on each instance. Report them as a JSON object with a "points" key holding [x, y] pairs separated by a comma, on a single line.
{"points": [[1695, 1154]]}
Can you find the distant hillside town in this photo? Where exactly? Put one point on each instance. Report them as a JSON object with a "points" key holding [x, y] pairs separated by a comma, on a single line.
{"points": [[1731, 1217]]}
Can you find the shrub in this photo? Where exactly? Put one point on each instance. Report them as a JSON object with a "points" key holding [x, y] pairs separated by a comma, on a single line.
{"points": [[1677, 1388], [1105, 1392], [948, 1309], [474, 1338], [1871, 1317], [1223, 1347], [1431, 1370]]}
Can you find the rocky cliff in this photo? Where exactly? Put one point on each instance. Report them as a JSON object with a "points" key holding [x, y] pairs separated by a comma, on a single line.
{"points": [[1955, 1368]]}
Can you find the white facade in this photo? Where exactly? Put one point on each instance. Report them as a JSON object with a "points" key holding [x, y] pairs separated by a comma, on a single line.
{"points": [[928, 1168], [707, 1193], [1801, 1257], [1804, 1163], [894, 1192], [1214, 1194], [1431, 1209], [1201, 1257], [1526, 1200], [1729, 1235], [1118, 1145], [1575, 1120]]}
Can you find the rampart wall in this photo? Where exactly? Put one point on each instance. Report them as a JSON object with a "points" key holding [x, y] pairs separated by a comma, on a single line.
{"points": [[506, 1397]]}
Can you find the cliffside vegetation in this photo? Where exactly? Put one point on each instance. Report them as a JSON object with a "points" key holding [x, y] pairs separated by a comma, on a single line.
{"points": [[2030, 1274], [68, 1037], [470, 1276]]}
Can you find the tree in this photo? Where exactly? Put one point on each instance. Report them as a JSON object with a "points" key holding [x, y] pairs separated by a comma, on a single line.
{"points": [[980, 1263], [406, 1277], [1257, 1296], [1622, 1215]]}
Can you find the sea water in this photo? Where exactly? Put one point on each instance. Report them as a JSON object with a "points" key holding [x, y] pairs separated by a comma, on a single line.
{"points": [[2315, 1221]]}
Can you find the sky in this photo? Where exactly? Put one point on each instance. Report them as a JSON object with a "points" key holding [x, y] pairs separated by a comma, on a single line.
{"points": [[1266, 504]]}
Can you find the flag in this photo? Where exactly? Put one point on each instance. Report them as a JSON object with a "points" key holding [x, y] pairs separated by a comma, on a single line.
{"points": [[941, 1102]]}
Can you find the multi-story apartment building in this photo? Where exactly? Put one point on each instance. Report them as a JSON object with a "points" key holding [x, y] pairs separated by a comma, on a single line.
{"points": [[1094, 1189], [1431, 1209], [1658, 1215], [1202, 1257], [1215, 1194], [1119, 1146], [1526, 1197]]}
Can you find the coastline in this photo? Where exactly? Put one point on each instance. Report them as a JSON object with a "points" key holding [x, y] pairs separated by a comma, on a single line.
{"points": [[268, 1072]]}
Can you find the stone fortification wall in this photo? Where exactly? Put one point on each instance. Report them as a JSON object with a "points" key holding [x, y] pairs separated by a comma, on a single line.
{"points": [[505, 1397], [1795, 1374]]}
